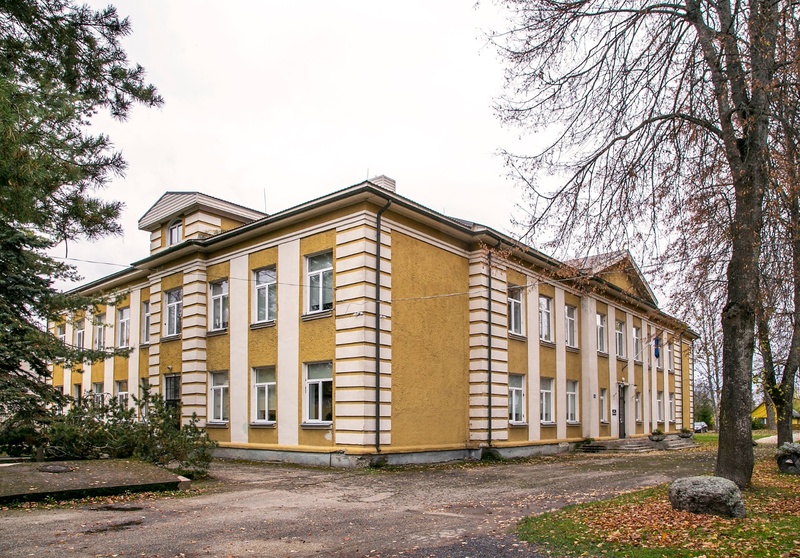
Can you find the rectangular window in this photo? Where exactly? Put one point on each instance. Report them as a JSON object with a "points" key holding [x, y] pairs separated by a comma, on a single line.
{"points": [[174, 300], [97, 393], [603, 405], [99, 339], [546, 400], [545, 319], [570, 326], [266, 295], [638, 406], [219, 305], [660, 405], [637, 344], [219, 397], [319, 392], [516, 393], [515, 310], [123, 327], [619, 334], [78, 333], [172, 390], [319, 282], [146, 321], [572, 401], [264, 391], [601, 333], [672, 407], [122, 393]]}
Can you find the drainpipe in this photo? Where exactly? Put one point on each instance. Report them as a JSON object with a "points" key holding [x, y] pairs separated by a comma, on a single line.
{"points": [[378, 328], [489, 346]]}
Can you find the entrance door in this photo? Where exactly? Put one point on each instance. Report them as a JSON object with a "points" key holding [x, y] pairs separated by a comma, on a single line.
{"points": [[622, 433]]}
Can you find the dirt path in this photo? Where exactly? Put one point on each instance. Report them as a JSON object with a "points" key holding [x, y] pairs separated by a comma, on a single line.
{"points": [[252, 509]]}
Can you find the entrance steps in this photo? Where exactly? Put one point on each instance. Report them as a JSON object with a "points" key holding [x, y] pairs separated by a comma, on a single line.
{"points": [[637, 445]]}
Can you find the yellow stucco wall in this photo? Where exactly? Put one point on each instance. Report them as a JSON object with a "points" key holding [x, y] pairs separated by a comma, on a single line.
{"points": [[430, 344]]}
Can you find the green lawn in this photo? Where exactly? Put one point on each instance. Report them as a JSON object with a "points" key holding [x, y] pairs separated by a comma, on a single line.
{"points": [[643, 524]]}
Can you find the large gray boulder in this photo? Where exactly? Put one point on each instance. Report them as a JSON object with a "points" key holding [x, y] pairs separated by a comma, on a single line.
{"points": [[709, 495]]}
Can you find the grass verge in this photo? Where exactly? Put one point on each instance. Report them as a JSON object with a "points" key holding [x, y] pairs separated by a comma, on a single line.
{"points": [[643, 524]]}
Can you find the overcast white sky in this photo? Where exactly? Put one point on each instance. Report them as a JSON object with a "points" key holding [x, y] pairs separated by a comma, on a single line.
{"points": [[298, 99]]}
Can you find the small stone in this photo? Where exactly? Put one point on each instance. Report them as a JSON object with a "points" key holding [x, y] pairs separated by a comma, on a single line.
{"points": [[707, 495]]}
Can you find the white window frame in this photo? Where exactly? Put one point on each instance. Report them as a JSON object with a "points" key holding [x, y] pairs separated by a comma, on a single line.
{"points": [[79, 333], [319, 276], [146, 321], [573, 415], [265, 391], [546, 400], [174, 312], [266, 285], [99, 332], [546, 318], [516, 399], [175, 232], [124, 327], [601, 333], [637, 344], [571, 326], [316, 386], [218, 291], [660, 405], [218, 393], [638, 406], [619, 337], [121, 394], [515, 310], [603, 406], [672, 407], [61, 333]]}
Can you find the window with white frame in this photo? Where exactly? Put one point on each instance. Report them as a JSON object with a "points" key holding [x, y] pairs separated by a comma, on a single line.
{"points": [[172, 390], [572, 401], [266, 295], [638, 406], [146, 321], [123, 327], [97, 393], [546, 400], [516, 398], [660, 405], [265, 394], [672, 407], [99, 332], [660, 350], [219, 397], [637, 344], [619, 335], [61, 332], [78, 333], [546, 319], [601, 333], [175, 233], [319, 282], [571, 326], [122, 393], [603, 405], [219, 305], [515, 310], [174, 304], [319, 392]]}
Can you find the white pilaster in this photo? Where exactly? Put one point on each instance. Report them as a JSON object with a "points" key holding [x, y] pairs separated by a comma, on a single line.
{"points": [[288, 323]]}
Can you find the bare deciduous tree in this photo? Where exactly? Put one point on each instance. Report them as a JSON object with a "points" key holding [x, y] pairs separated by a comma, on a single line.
{"points": [[657, 109]]}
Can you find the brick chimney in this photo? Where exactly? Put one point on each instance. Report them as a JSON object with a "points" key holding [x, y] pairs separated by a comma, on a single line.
{"points": [[384, 182]]}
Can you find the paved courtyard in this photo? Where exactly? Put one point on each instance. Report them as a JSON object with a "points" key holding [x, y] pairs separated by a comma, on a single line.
{"points": [[256, 509]]}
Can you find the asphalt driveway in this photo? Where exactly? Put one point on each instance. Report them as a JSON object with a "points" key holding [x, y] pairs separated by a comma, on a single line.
{"points": [[256, 509]]}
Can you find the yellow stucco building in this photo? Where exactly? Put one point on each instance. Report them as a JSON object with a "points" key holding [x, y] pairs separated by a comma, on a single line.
{"points": [[297, 336]]}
